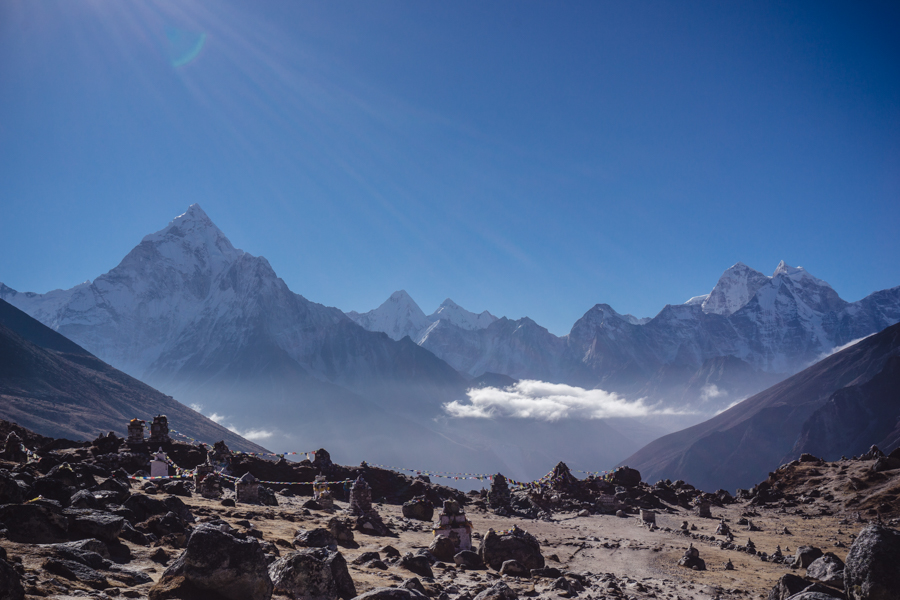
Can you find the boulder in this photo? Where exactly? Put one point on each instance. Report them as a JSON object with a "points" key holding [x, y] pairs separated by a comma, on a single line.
{"points": [[315, 538], [787, 586], [341, 573], [626, 476], [514, 568], [34, 523], [443, 548], [805, 556], [418, 564], [177, 506], [176, 488], [413, 583], [468, 559], [872, 572], [548, 572], [515, 544], [76, 571], [365, 557], [114, 484], [168, 528], [53, 488], [828, 568], [498, 591], [267, 496], [418, 508], [11, 492], [313, 574], [371, 524], [10, 582], [342, 531], [216, 564], [88, 523], [143, 507], [88, 545], [389, 593]]}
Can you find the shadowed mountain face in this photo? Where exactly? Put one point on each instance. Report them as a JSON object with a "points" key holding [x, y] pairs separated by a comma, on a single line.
{"points": [[840, 405], [53, 386]]}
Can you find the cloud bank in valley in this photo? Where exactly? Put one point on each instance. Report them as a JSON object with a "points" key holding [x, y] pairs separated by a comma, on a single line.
{"points": [[530, 399], [254, 435]]}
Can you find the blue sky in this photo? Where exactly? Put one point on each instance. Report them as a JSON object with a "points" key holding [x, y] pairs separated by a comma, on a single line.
{"points": [[528, 158]]}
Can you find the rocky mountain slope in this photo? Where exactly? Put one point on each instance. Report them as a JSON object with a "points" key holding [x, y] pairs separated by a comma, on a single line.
{"points": [[836, 407], [51, 385]]}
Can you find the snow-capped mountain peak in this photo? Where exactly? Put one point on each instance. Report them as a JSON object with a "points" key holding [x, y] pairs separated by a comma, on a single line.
{"points": [[190, 241], [398, 316], [811, 292], [735, 288], [797, 274], [454, 314]]}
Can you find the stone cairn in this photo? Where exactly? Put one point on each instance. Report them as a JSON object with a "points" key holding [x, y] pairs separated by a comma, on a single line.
{"points": [[246, 489], [648, 518], [322, 461], [453, 524], [367, 518], [723, 529], [206, 481], [702, 509], [135, 433], [561, 478], [360, 498], [159, 430], [322, 494], [692, 560], [498, 496], [159, 466], [13, 450]]}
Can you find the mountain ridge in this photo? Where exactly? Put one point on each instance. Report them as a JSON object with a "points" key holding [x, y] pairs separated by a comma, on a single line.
{"points": [[733, 448]]}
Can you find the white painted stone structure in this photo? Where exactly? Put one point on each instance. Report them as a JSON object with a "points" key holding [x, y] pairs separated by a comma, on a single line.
{"points": [[453, 523]]}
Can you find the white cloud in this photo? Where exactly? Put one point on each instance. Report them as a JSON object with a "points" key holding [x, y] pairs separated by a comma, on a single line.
{"points": [[250, 434], [529, 399], [197, 407], [253, 434], [711, 391], [844, 347], [732, 405]]}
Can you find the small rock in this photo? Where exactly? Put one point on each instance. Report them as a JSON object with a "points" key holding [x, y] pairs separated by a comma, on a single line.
{"points": [[418, 564], [499, 591]]}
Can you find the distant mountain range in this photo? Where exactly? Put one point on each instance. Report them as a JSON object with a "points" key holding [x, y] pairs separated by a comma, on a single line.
{"points": [[839, 406], [215, 327], [749, 332], [51, 385]]}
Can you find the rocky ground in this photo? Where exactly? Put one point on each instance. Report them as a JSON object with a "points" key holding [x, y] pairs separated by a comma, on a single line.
{"points": [[106, 537]]}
